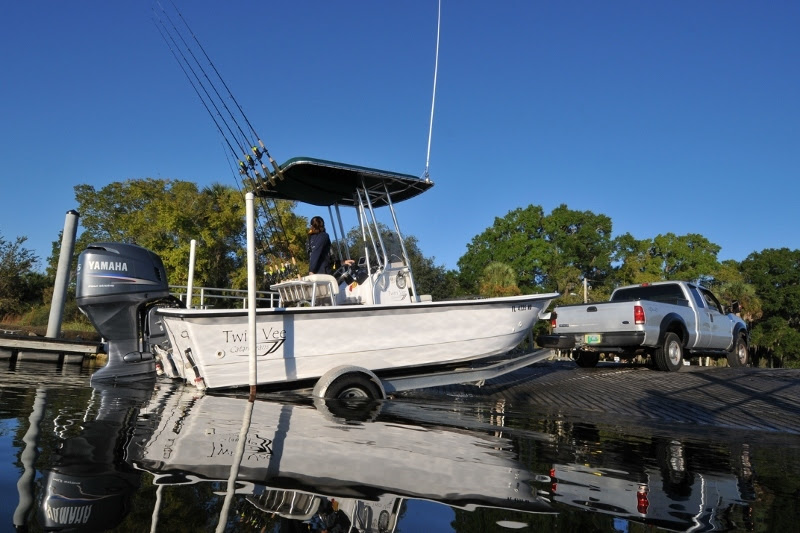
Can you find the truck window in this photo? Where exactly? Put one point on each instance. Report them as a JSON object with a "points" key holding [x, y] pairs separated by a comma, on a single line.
{"points": [[711, 301], [670, 293], [698, 299]]}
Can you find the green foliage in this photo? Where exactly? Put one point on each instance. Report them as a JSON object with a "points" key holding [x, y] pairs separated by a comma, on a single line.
{"points": [[20, 285], [430, 278], [665, 257], [738, 291], [774, 274], [282, 235], [546, 252], [780, 338], [164, 216], [498, 280]]}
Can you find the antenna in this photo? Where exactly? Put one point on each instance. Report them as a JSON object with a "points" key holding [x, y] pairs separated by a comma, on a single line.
{"points": [[433, 100]]}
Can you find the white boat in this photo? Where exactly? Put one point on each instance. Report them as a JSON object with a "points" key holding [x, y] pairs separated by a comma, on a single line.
{"points": [[368, 316], [345, 329]]}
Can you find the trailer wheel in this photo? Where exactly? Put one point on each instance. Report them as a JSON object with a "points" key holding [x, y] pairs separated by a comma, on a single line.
{"points": [[353, 386], [349, 393], [346, 382], [669, 356], [587, 359], [739, 356]]}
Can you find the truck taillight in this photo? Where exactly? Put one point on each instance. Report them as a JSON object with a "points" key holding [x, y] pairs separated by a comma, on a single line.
{"points": [[638, 314], [553, 319], [642, 502]]}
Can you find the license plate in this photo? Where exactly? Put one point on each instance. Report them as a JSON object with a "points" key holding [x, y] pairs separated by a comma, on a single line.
{"points": [[593, 338]]}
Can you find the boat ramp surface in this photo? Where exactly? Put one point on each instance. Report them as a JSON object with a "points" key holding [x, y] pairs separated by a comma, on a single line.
{"points": [[700, 399]]}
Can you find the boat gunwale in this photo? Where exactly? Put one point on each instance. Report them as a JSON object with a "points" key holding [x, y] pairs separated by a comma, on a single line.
{"points": [[176, 312]]}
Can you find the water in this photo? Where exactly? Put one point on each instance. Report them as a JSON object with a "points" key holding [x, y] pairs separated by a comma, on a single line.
{"points": [[159, 458]]}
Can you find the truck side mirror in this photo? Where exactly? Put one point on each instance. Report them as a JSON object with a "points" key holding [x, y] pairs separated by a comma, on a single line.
{"points": [[735, 307]]}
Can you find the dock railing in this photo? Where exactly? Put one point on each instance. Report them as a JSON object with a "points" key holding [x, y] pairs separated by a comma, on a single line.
{"points": [[210, 297]]}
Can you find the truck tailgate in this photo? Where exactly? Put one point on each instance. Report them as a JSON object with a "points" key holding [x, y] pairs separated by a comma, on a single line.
{"points": [[606, 317]]}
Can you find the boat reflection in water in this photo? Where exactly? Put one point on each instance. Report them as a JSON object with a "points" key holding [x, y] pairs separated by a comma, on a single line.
{"points": [[175, 459], [291, 462]]}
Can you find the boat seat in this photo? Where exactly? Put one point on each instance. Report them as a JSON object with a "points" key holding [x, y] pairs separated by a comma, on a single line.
{"points": [[325, 285], [314, 289]]}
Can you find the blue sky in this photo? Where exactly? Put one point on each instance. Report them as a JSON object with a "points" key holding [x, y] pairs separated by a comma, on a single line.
{"points": [[667, 116]]}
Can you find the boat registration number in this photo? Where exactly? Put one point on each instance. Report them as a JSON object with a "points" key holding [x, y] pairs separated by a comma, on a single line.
{"points": [[593, 338]]}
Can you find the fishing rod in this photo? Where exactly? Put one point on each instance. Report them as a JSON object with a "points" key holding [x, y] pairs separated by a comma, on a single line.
{"points": [[230, 93], [247, 163], [198, 84], [213, 87]]}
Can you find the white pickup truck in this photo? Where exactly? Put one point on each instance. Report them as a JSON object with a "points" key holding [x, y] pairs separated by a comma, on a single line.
{"points": [[668, 320]]}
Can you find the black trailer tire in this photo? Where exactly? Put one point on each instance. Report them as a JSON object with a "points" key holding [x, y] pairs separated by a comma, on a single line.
{"points": [[353, 385], [739, 356], [586, 359], [669, 356]]}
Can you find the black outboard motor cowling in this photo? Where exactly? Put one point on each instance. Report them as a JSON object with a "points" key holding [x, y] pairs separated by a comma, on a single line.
{"points": [[117, 284]]}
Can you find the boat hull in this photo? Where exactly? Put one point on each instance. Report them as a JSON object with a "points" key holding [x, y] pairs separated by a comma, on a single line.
{"points": [[302, 343]]}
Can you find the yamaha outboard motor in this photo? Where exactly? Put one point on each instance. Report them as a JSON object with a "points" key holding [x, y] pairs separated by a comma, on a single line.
{"points": [[117, 285]]}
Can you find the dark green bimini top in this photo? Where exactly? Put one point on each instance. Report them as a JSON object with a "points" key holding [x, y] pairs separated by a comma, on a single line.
{"points": [[325, 183]]}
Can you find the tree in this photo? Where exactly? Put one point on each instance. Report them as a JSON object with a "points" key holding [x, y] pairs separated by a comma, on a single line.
{"points": [[665, 257], [164, 216], [778, 339], [729, 286], [774, 274], [498, 280], [20, 285], [636, 260], [546, 252]]}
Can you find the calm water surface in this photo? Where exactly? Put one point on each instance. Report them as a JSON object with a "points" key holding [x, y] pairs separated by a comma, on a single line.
{"points": [[163, 457]]}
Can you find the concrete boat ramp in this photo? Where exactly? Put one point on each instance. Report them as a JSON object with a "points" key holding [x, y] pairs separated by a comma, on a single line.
{"points": [[705, 399]]}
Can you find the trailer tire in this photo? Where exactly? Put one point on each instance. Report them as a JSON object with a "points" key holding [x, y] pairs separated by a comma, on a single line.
{"points": [[349, 393], [354, 410], [353, 386], [669, 356], [586, 359], [347, 382], [739, 355]]}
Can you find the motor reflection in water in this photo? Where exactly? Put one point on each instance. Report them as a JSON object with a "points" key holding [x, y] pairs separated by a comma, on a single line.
{"points": [[89, 486], [167, 458]]}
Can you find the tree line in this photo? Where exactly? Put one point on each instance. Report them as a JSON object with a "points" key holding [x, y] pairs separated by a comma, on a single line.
{"points": [[525, 251]]}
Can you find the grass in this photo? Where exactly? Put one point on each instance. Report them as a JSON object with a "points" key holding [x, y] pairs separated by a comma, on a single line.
{"points": [[74, 326]]}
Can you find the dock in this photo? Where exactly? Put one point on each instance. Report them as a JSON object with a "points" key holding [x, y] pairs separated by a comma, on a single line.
{"points": [[61, 351]]}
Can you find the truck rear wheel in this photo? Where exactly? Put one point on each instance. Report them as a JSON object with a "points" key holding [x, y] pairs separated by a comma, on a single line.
{"points": [[586, 359], [669, 356], [739, 356]]}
